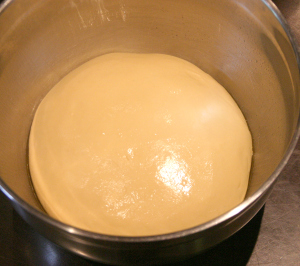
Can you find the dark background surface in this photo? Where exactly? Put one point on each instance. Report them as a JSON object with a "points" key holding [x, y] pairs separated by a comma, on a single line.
{"points": [[272, 237]]}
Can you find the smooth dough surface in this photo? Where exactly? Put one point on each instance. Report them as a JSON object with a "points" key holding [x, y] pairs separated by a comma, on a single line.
{"points": [[139, 144]]}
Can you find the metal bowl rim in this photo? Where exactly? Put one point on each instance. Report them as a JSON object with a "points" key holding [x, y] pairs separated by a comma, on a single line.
{"points": [[191, 231]]}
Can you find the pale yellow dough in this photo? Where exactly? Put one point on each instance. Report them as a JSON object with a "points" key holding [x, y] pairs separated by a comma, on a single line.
{"points": [[139, 144]]}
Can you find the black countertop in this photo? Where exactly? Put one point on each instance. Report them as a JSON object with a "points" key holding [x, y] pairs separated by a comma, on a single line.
{"points": [[271, 238]]}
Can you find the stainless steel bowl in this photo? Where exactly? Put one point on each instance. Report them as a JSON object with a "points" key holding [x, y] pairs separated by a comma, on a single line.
{"points": [[244, 44]]}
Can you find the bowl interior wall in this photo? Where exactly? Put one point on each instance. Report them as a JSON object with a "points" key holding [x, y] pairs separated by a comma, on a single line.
{"points": [[250, 55]]}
